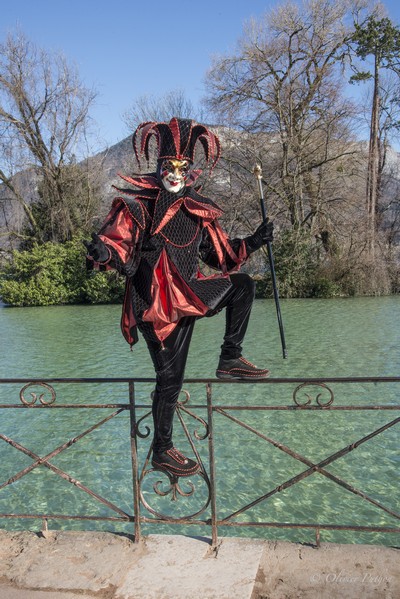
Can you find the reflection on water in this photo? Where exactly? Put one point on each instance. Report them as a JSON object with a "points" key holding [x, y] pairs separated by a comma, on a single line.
{"points": [[325, 338]]}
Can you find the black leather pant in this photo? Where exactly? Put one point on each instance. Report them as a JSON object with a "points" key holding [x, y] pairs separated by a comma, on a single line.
{"points": [[170, 361]]}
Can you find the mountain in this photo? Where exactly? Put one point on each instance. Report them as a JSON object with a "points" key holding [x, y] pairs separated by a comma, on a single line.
{"points": [[120, 158]]}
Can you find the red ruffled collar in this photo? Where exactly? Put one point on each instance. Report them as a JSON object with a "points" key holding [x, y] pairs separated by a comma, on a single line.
{"points": [[150, 181], [167, 204]]}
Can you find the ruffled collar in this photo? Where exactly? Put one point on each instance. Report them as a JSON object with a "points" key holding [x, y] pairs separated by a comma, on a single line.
{"points": [[150, 180], [167, 204]]}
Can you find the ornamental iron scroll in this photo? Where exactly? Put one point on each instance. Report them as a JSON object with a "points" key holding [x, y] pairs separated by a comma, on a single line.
{"points": [[321, 403], [175, 487], [35, 395], [137, 430]]}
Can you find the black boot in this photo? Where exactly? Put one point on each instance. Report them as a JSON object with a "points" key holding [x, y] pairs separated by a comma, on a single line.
{"points": [[240, 368], [174, 462]]}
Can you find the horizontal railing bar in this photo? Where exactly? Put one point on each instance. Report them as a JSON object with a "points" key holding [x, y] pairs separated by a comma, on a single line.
{"points": [[268, 381], [302, 408], [200, 522], [277, 525], [314, 526], [183, 521], [67, 517], [78, 380], [122, 406], [202, 407]]}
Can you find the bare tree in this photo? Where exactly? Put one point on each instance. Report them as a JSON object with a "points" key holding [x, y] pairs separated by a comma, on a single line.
{"points": [[161, 108], [284, 86], [44, 111], [284, 90]]}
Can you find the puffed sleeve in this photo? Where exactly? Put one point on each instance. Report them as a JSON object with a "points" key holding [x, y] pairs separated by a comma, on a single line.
{"points": [[120, 234], [219, 252]]}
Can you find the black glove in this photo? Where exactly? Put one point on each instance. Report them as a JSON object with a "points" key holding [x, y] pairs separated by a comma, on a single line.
{"points": [[97, 249], [263, 234]]}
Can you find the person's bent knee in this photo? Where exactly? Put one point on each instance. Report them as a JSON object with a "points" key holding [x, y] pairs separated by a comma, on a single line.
{"points": [[243, 280]]}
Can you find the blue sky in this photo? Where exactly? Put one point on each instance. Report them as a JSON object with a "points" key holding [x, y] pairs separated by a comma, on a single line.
{"points": [[128, 48]]}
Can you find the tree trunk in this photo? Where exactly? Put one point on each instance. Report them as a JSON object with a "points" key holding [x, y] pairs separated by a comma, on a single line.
{"points": [[373, 163]]}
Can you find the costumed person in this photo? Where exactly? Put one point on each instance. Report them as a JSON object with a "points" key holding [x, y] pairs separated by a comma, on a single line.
{"points": [[154, 235]]}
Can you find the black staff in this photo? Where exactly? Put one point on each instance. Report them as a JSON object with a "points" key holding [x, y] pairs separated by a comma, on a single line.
{"points": [[258, 173]]}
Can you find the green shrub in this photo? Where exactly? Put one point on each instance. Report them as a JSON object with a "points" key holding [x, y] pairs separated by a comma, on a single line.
{"points": [[53, 273], [323, 287], [296, 264]]}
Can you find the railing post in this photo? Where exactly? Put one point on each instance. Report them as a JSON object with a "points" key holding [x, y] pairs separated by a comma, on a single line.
{"points": [[135, 478], [214, 531]]}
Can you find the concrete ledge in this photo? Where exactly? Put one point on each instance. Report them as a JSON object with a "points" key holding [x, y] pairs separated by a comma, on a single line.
{"points": [[332, 571], [72, 565]]}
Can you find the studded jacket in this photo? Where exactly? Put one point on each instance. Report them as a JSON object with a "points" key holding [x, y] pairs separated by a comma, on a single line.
{"points": [[156, 238]]}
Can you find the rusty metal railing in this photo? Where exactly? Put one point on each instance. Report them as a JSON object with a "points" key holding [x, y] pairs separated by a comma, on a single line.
{"points": [[148, 500]]}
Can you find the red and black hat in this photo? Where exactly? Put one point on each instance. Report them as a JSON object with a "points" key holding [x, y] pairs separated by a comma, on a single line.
{"points": [[176, 140]]}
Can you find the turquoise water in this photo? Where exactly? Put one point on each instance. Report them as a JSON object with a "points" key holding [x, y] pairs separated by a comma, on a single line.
{"points": [[325, 338]]}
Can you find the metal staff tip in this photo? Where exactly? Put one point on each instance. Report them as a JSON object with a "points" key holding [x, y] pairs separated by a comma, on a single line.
{"points": [[257, 171]]}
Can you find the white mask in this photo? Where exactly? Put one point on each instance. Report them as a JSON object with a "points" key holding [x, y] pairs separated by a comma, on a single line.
{"points": [[174, 174]]}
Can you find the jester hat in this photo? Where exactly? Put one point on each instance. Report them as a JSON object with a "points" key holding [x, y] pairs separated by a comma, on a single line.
{"points": [[176, 140]]}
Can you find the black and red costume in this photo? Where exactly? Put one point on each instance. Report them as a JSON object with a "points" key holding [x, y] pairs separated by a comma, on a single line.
{"points": [[155, 238]]}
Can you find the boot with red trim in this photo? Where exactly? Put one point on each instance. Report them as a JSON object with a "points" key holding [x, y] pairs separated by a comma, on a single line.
{"points": [[174, 462], [241, 369]]}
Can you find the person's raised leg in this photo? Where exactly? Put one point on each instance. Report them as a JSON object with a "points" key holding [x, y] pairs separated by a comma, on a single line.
{"points": [[238, 303]]}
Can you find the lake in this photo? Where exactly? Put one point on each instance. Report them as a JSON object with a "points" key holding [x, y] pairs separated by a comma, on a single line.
{"points": [[355, 337]]}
